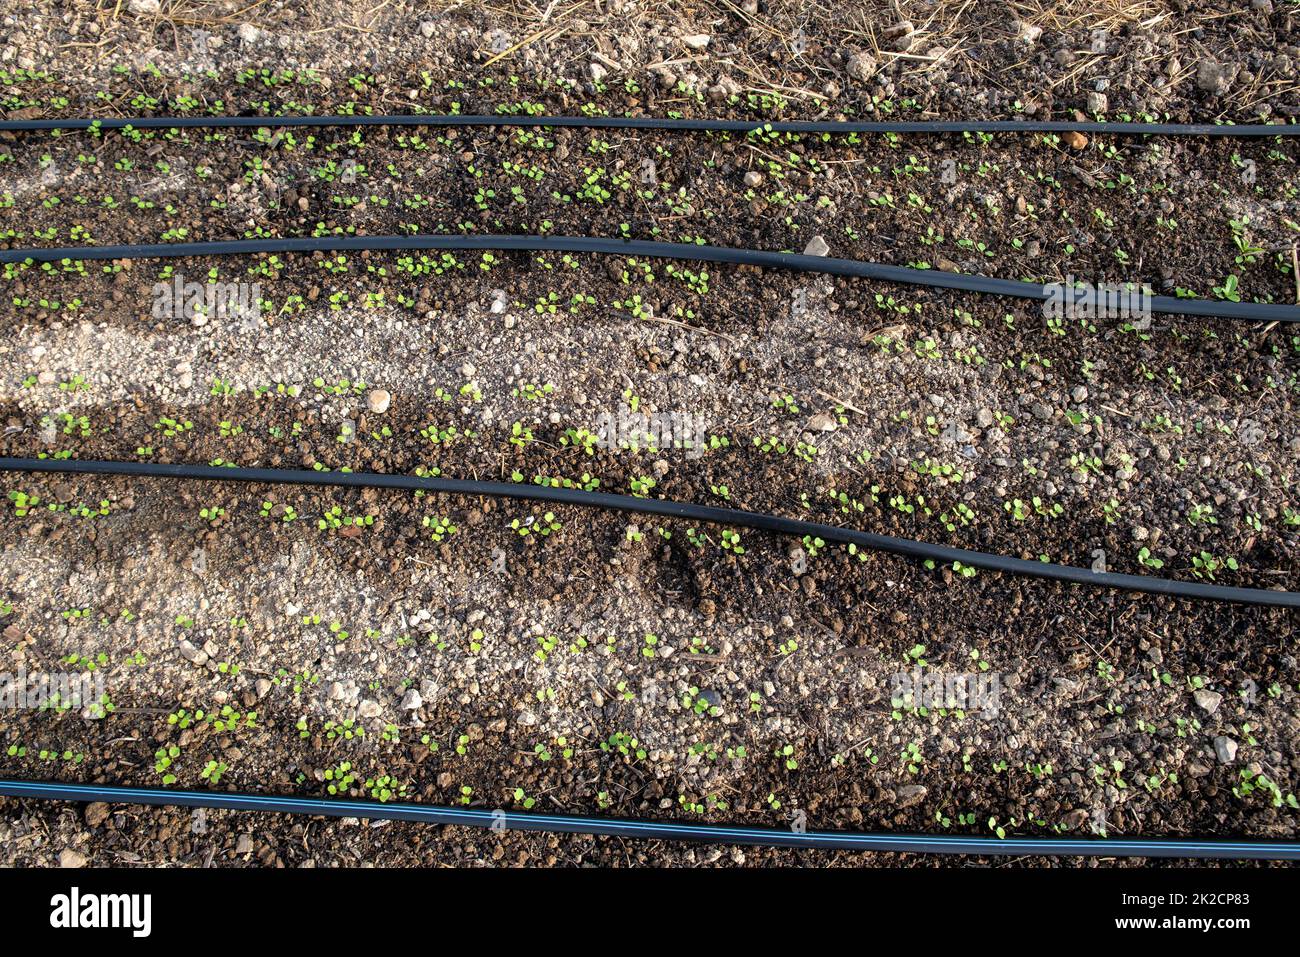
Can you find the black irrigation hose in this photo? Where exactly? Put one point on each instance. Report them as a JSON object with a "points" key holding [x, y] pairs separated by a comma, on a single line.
{"points": [[933, 278], [500, 819], [663, 123], [708, 514]]}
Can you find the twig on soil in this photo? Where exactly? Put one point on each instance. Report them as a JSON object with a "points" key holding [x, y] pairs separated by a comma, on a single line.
{"points": [[550, 34], [839, 401], [1295, 272], [235, 17], [779, 88], [774, 159], [687, 325]]}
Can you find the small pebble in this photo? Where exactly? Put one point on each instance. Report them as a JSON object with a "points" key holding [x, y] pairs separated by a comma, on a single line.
{"points": [[816, 247], [1208, 701], [1225, 749], [910, 794]]}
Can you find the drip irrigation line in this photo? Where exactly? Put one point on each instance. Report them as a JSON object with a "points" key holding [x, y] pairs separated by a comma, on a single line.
{"points": [[500, 819], [705, 514], [663, 123], [1134, 301]]}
